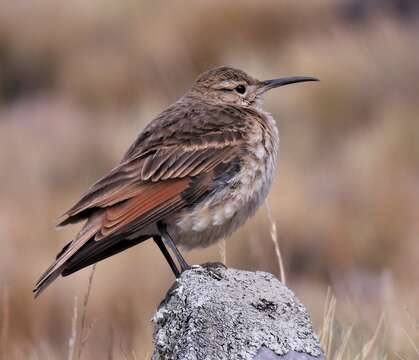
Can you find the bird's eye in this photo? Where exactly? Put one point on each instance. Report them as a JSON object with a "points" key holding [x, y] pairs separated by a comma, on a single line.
{"points": [[241, 89]]}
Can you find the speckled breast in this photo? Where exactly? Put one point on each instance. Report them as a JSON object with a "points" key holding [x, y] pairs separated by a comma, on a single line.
{"points": [[227, 209]]}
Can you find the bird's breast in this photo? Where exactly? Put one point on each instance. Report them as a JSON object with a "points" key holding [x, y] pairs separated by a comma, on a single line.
{"points": [[238, 198]]}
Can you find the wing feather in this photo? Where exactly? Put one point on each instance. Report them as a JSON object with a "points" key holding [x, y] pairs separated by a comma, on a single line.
{"points": [[162, 173], [154, 198], [171, 163]]}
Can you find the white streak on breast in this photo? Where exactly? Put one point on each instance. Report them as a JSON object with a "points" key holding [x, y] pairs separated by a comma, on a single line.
{"points": [[260, 151], [201, 222], [229, 208]]}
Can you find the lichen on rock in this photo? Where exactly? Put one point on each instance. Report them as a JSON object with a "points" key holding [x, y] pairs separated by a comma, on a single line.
{"points": [[213, 312]]}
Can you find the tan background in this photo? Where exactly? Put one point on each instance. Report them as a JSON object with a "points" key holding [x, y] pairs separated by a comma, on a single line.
{"points": [[78, 81]]}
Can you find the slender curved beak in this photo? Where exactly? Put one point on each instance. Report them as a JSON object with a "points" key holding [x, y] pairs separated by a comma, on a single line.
{"points": [[274, 83]]}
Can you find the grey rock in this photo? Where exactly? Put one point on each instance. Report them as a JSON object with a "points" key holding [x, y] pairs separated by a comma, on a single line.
{"points": [[212, 312], [266, 354]]}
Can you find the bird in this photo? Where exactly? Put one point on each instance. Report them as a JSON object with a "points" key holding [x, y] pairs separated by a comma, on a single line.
{"points": [[194, 175]]}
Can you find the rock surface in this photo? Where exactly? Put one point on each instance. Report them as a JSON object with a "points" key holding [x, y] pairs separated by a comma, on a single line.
{"points": [[212, 312]]}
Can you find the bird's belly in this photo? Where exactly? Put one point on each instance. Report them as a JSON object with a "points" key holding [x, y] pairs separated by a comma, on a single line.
{"points": [[227, 209]]}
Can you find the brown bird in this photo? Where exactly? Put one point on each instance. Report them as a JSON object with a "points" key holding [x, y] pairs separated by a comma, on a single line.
{"points": [[194, 175]]}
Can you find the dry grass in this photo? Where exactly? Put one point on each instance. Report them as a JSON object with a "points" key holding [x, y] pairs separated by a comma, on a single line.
{"points": [[78, 80], [80, 332], [326, 332], [339, 347], [84, 328], [72, 341], [222, 248], [274, 237], [5, 316]]}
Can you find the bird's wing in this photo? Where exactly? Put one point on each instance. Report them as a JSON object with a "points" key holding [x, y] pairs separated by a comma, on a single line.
{"points": [[139, 185], [177, 145], [172, 165]]}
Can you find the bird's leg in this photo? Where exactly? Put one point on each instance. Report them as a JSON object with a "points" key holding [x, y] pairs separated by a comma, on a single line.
{"points": [[158, 240], [167, 238]]}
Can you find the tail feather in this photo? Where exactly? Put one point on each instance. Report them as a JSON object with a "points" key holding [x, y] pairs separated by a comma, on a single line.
{"points": [[45, 281], [86, 234], [82, 252], [95, 251]]}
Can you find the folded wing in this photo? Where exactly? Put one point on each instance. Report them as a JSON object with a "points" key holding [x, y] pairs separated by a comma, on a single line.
{"points": [[139, 192]]}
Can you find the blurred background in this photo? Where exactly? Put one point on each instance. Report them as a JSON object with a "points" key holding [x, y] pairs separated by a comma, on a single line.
{"points": [[80, 79]]}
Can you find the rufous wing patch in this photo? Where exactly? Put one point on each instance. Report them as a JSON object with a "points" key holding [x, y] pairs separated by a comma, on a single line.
{"points": [[153, 196]]}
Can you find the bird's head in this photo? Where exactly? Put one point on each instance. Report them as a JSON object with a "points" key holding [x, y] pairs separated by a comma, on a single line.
{"points": [[232, 86]]}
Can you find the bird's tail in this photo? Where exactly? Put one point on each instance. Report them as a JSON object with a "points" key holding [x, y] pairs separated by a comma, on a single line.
{"points": [[95, 251], [85, 250], [85, 235]]}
